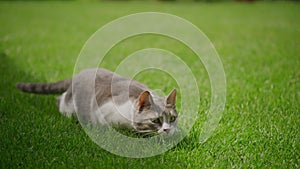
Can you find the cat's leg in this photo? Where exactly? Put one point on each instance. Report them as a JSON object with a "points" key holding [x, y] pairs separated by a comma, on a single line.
{"points": [[65, 104]]}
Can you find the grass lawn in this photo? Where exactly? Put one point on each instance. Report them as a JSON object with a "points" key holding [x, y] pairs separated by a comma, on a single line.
{"points": [[258, 44]]}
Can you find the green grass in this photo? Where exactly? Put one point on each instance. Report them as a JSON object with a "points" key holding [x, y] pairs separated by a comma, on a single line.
{"points": [[258, 44]]}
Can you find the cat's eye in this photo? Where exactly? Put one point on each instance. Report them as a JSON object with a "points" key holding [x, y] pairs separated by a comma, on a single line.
{"points": [[172, 118], [157, 120]]}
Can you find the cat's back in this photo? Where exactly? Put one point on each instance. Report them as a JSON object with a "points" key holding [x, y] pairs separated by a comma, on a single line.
{"points": [[98, 74], [104, 77], [107, 84]]}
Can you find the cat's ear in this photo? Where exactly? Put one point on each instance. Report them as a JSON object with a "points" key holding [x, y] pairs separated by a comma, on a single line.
{"points": [[171, 98], [145, 100]]}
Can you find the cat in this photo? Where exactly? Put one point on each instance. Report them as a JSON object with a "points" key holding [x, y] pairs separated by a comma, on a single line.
{"points": [[102, 97]]}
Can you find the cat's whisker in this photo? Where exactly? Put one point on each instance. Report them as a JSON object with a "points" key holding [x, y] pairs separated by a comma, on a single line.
{"points": [[150, 134], [146, 131]]}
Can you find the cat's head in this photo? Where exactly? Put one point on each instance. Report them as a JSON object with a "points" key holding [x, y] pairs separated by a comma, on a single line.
{"points": [[156, 115]]}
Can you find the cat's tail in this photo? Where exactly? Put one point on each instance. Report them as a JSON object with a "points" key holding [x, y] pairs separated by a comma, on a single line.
{"points": [[45, 88]]}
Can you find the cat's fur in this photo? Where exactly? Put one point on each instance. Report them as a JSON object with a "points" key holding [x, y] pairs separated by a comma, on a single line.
{"points": [[100, 96]]}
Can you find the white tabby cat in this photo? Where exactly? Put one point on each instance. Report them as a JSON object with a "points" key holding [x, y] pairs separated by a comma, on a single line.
{"points": [[100, 96]]}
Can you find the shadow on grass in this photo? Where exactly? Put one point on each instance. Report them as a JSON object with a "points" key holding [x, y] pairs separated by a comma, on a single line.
{"points": [[20, 114], [10, 75]]}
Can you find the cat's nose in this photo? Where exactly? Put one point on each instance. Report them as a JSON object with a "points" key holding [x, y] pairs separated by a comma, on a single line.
{"points": [[167, 130]]}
